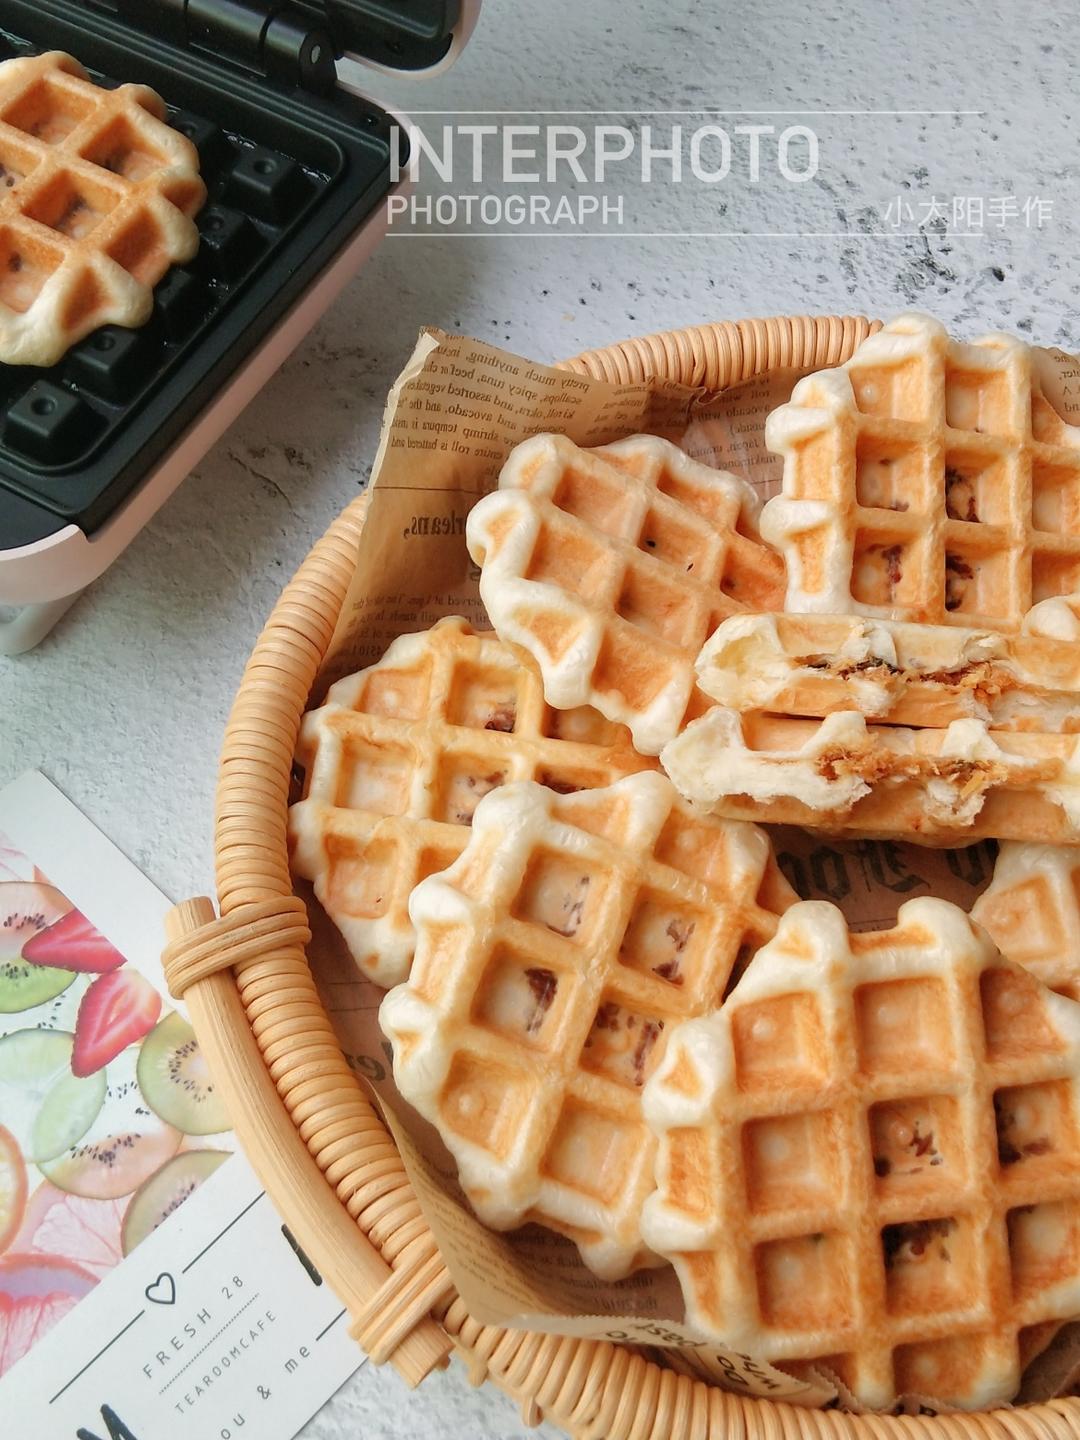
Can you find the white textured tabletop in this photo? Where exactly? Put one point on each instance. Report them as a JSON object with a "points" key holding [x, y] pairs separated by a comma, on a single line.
{"points": [[123, 706]]}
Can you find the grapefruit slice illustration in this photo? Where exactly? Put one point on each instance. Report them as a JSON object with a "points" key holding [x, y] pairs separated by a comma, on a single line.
{"points": [[35, 1292], [86, 1232], [12, 1188], [14, 864]]}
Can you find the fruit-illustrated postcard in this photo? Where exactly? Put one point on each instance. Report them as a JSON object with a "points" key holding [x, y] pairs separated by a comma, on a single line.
{"points": [[148, 1289]]}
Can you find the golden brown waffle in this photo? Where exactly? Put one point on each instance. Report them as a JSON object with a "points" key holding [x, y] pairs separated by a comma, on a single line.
{"points": [[96, 198], [946, 786], [928, 481], [870, 1158], [612, 566], [397, 759], [1032, 912], [923, 675], [551, 959]]}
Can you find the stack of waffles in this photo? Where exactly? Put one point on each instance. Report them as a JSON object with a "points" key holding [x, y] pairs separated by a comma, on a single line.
{"points": [[924, 678], [861, 1152]]}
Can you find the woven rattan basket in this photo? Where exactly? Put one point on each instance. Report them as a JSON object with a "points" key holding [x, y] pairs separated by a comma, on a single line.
{"points": [[302, 1115]]}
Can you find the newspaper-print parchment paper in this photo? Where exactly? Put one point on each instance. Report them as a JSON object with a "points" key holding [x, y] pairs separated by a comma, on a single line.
{"points": [[455, 413]]}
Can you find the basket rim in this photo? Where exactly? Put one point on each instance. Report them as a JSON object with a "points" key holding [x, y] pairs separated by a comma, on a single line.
{"points": [[302, 1115]]}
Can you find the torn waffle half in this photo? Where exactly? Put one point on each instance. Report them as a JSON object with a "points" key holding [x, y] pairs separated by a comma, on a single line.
{"points": [[947, 786], [870, 1158], [97, 192], [552, 958], [926, 481], [396, 760], [1031, 910], [895, 671], [611, 567]]}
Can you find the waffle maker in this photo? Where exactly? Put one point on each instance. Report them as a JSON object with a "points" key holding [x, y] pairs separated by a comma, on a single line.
{"points": [[297, 165]]}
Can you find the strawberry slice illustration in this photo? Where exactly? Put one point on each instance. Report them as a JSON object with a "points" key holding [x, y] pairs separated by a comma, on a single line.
{"points": [[72, 943], [117, 1010]]}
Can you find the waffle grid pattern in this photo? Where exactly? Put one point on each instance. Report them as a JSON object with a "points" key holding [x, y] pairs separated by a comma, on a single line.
{"points": [[612, 566], [1031, 910], [883, 1130], [96, 198], [551, 958], [926, 480], [397, 760]]}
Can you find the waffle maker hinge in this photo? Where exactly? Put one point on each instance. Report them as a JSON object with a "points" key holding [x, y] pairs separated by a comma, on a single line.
{"points": [[296, 42], [271, 38]]}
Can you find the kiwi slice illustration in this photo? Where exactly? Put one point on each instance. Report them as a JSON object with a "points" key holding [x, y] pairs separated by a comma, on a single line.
{"points": [[60, 1012], [176, 1082], [44, 1105], [25, 910], [123, 1147], [157, 1198]]}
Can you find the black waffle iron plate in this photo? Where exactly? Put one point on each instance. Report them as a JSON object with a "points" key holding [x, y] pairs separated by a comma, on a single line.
{"points": [[291, 175]]}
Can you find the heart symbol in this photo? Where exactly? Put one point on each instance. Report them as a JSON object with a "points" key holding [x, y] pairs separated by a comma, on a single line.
{"points": [[162, 1291]]}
